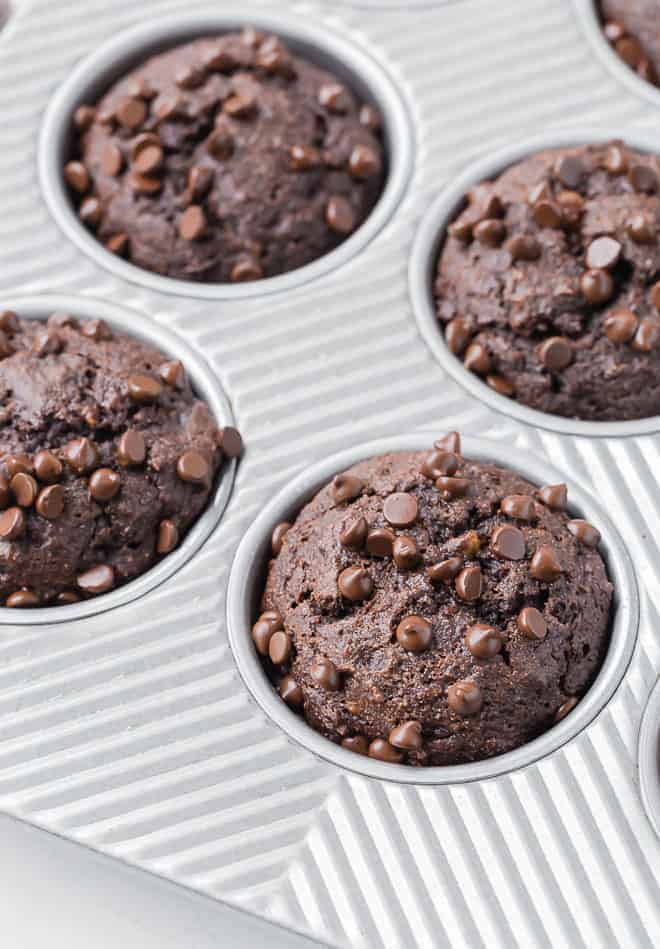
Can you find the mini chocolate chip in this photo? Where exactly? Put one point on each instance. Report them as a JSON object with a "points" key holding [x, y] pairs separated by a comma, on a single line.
{"points": [[520, 506], [508, 542], [172, 373], [449, 442], [220, 143], [380, 542], [345, 487], [99, 579], [451, 488], [104, 484], [200, 181], [148, 156], [112, 160], [304, 158], [77, 176], [24, 488], [326, 675], [339, 215], [572, 207], [541, 191], [189, 76], [143, 388], [132, 449], [81, 455], [240, 106], [382, 750], [140, 88], [469, 584], [45, 343], [554, 496], [501, 385], [603, 253], [18, 463], [279, 647], [400, 509], [144, 184], [192, 467], [217, 59], [643, 178], [357, 744], [67, 597], [245, 270], [569, 169], [461, 229], [355, 584], [531, 623], [290, 691], [439, 463], [483, 641], [50, 502], [90, 212], [12, 524], [641, 229], [277, 537], [586, 533], [97, 330], [457, 335], [620, 326], [9, 322], [545, 565], [192, 223], [22, 600], [118, 244], [168, 537], [407, 736], [547, 214], [414, 633], [334, 97], [597, 286], [370, 118], [477, 359], [490, 232], [629, 49], [445, 571], [131, 113], [83, 117], [616, 161], [364, 162], [405, 552], [273, 57], [230, 442], [523, 247], [647, 337], [267, 624], [465, 698], [555, 353], [564, 709]]}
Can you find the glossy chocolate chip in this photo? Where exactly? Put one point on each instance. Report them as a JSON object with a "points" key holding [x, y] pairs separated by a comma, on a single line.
{"points": [[132, 448], [168, 537], [647, 335], [490, 232], [15, 464], [603, 253], [380, 542], [465, 698], [545, 565], [477, 359], [620, 326], [77, 177], [445, 571], [24, 488], [326, 675], [112, 160], [508, 542], [470, 543], [597, 286], [554, 496], [193, 467], [643, 178], [556, 353], [586, 533], [405, 552], [569, 170], [277, 537], [131, 113], [99, 579], [641, 229], [143, 389], [564, 709], [267, 624], [400, 509], [523, 247], [451, 488], [22, 600], [469, 584], [382, 750], [501, 385], [357, 744], [520, 506], [414, 633], [172, 373], [245, 270], [279, 647], [12, 524], [355, 584], [50, 502], [231, 442], [440, 463], [531, 623], [192, 223], [104, 484], [291, 692], [334, 97], [82, 455], [339, 215], [449, 442], [407, 736], [364, 162], [345, 487], [483, 641], [5, 492]]}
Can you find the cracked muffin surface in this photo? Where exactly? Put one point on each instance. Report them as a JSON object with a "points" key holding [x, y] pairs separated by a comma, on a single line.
{"points": [[107, 458], [226, 159], [428, 609], [548, 283]]}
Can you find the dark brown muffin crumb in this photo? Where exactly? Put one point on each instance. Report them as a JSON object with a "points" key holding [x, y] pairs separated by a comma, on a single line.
{"points": [[107, 458], [431, 610], [632, 29], [226, 159], [548, 283]]}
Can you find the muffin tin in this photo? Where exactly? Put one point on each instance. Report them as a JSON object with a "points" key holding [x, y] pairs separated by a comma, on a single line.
{"points": [[132, 730]]}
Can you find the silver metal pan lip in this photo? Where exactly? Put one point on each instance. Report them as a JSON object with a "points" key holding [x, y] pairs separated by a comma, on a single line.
{"points": [[246, 584], [319, 44], [207, 386], [648, 759], [424, 253], [587, 16]]}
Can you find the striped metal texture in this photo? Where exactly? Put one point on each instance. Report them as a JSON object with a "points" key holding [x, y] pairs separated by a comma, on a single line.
{"points": [[132, 731]]}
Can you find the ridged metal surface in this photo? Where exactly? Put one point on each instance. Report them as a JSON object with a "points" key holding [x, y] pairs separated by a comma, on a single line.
{"points": [[132, 731]]}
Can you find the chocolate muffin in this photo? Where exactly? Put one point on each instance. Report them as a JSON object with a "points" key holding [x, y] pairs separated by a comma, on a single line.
{"points": [[226, 159], [548, 283], [106, 458], [432, 610], [633, 29]]}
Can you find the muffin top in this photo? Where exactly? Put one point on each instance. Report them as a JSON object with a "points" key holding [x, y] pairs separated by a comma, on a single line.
{"points": [[433, 610], [548, 287], [106, 458], [633, 29], [226, 159]]}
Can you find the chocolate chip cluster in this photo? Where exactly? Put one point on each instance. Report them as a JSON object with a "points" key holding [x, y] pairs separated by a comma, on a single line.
{"points": [[107, 458], [632, 31], [548, 284], [430, 610], [226, 159]]}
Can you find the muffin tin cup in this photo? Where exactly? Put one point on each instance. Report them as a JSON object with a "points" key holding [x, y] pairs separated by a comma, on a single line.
{"points": [[589, 20], [649, 759], [108, 63], [207, 387], [423, 260], [246, 587]]}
